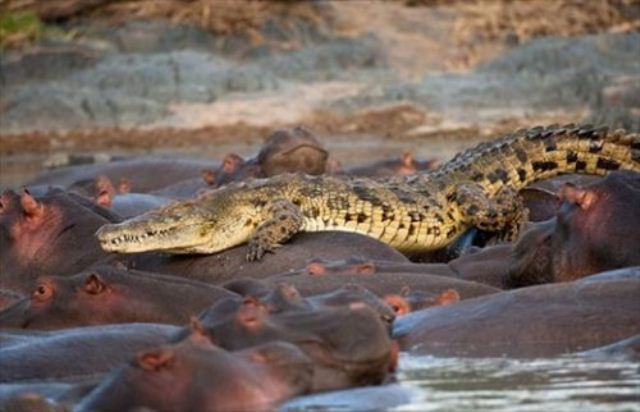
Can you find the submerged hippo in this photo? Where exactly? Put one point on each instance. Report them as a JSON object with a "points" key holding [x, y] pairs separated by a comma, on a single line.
{"points": [[109, 294], [546, 320], [232, 263], [349, 344], [380, 277], [124, 203], [144, 173], [74, 354], [195, 375]]}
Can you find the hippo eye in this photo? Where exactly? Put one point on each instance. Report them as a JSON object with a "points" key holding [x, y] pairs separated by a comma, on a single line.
{"points": [[42, 292]]}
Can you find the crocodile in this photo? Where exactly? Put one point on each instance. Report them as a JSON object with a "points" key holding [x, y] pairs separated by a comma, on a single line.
{"points": [[423, 212]]}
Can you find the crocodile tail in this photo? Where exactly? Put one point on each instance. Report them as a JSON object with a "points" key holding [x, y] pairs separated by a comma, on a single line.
{"points": [[529, 155]]}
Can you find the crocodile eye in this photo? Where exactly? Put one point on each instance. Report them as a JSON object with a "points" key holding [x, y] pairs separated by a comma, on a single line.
{"points": [[42, 292]]}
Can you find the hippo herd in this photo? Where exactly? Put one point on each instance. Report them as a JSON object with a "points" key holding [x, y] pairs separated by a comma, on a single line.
{"points": [[86, 330]]}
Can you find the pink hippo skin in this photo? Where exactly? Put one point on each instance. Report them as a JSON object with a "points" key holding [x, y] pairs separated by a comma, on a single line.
{"points": [[285, 297], [107, 295], [597, 227], [52, 234], [349, 344], [196, 375]]}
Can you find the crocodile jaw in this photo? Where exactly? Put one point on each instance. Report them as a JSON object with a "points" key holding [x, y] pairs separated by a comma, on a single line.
{"points": [[140, 235]]}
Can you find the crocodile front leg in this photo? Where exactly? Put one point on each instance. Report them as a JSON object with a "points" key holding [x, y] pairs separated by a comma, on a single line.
{"points": [[285, 220], [505, 213]]}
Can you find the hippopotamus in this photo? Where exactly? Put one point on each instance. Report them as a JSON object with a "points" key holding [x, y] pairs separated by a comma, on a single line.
{"points": [[292, 150], [8, 298], [597, 227], [124, 203], [43, 396], [232, 263], [536, 321], [79, 353], [595, 230], [196, 374], [285, 150], [627, 349], [285, 297], [542, 198], [382, 278], [52, 234], [349, 344], [405, 165], [107, 295], [144, 173]]}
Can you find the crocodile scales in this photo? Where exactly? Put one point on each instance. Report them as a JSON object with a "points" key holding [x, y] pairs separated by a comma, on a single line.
{"points": [[477, 188]]}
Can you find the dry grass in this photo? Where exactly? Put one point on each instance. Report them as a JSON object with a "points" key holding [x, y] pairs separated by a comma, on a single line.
{"points": [[245, 17], [517, 21]]}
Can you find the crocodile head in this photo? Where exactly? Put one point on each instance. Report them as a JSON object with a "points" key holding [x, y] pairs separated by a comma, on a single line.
{"points": [[208, 224]]}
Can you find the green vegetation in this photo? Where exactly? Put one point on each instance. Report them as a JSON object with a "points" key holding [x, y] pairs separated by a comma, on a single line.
{"points": [[17, 29]]}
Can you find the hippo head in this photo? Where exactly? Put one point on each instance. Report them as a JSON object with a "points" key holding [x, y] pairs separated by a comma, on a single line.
{"points": [[27, 227], [58, 302], [195, 374], [292, 150], [51, 233], [408, 301], [530, 260], [350, 266], [597, 227]]}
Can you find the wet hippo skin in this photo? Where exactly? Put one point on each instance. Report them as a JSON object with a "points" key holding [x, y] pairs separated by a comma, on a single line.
{"points": [[546, 320], [302, 248], [51, 234], [108, 295], [78, 353], [198, 375]]}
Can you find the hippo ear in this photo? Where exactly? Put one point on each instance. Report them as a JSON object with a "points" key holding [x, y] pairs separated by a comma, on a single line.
{"points": [[408, 160], [231, 163], [448, 297], [582, 197], [316, 268], [198, 331], [124, 185], [94, 284], [209, 176], [103, 183], [365, 268], [31, 207], [155, 359], [289, 291], [398, 303], [104, 198]]}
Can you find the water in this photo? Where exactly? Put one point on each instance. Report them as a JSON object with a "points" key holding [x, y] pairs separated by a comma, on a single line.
{"points": [[18, 169], [559, 384]]}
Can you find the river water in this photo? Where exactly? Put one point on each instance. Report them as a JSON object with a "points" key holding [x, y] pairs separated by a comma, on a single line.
{"points": [[494, 384]]}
